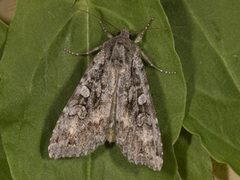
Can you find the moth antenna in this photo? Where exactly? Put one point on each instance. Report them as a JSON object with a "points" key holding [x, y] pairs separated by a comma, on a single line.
{"points": [[99, 19], [139, 37], [174, 27]]}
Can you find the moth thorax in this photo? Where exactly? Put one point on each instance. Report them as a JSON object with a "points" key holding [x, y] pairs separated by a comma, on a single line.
{"points": [[111, 135]]}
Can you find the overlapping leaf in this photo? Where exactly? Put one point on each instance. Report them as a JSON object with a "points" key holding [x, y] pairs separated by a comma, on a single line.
{"points": [[209, 51], [193, 160]]}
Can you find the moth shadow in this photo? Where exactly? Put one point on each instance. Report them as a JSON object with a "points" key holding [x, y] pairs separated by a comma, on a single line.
{"points": [[109, 145]]}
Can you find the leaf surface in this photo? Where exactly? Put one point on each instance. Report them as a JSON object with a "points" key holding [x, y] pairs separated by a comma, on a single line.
{"points": [[38, 78]]}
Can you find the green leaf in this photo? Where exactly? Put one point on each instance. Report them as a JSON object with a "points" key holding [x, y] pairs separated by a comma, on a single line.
{"points": [[38, 78], [193, 161], [209, 50], [4, 168]]}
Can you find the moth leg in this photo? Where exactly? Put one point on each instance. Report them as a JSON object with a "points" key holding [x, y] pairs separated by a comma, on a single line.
{"points": [[85, 53], [155, 67], [141, 34], [104, 29]]}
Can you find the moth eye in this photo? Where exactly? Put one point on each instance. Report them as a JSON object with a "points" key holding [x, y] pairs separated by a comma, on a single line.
{"points": [[118, 33]]}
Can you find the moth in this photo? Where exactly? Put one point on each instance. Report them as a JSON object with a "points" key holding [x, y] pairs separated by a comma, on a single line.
{"points": [[112, 102]]}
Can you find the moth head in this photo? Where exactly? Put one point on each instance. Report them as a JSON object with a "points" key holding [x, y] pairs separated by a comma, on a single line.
{"points": [[125, 33]]}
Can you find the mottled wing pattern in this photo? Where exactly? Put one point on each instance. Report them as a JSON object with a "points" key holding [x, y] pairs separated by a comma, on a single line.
{"points": [[81, 127], [137, 130]]}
